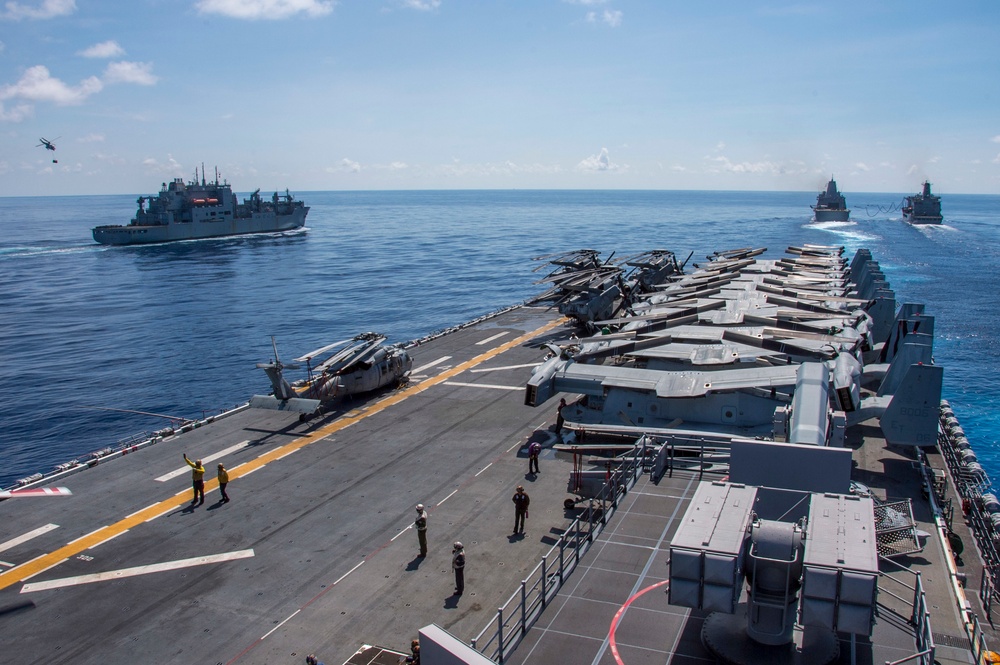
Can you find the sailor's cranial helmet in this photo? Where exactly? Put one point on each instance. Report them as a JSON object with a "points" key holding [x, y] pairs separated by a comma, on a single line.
{"points": [[420, 507], [458, 546]]}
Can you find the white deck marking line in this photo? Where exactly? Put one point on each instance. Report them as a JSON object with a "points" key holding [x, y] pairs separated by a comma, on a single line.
{"points": [[137, 570], [14, 542], [280, 624], [339, 579], [483, 469], [482, 385], [5, 564], [516, 445], [60, 561], [107, 539], [448, 497], [204, 460], [429, 365], [496, 369], [401, 533], [490, 339]]}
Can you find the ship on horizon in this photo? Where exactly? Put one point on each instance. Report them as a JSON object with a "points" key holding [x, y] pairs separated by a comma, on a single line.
{"points": [[831, 205], [203, 209], [923, 208]]}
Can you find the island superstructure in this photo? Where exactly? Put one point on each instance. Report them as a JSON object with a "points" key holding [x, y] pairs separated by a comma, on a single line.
{"points": [[203, 209]]}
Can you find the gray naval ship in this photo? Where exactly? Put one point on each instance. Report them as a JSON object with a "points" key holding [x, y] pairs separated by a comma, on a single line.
{"points": [[753, 465], [923, 208], [188, 211], [831, 205]]}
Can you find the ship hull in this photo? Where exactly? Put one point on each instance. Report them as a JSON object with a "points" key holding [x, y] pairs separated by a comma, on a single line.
{"points": [[144, 234], [920, 220], [832, 215]]}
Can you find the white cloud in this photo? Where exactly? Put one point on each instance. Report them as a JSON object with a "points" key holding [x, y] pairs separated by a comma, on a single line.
{"points": [[47, 9], [37, 86], [108, 49], [16, 114], [130, 72], [169, 168], [996, 160], [398, 166], [422, 5], [611, 17], [724, 164], [265, 9], [601, 162], [996, 139], [861, 166], [91, 138], [913, 169], [586, 3]]}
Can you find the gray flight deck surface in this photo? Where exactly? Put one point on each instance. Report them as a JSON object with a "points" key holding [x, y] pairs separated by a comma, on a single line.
{"points": [[327, 572], [321, 554]]}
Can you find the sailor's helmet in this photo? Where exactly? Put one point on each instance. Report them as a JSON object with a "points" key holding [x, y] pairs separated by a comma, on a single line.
{"points": [[458, 546], [420, 507]]}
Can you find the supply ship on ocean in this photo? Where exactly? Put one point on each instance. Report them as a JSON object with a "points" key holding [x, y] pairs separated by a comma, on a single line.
{"points": [[203, 210], [923, 208], [831, 205], [754, 465]]}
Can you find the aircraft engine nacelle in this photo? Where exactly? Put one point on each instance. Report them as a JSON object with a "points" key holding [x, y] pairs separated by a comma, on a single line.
{"points": [[541, 385]]}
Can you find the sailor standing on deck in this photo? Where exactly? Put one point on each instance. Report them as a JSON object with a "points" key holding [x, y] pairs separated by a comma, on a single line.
{"points": [[559, 417], [197, 480], [421, 524], [521, 501], [223, 481], [458, 565]]}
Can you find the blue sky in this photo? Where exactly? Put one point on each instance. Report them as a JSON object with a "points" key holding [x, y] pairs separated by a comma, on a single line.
{"points": [[478, 94]]}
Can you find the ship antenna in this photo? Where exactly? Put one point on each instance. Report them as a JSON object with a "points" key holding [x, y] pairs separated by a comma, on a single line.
{"points": [[203, 174]]}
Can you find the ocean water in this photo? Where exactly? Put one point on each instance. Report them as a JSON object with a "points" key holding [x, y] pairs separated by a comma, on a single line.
{"points": [[176, 329]]}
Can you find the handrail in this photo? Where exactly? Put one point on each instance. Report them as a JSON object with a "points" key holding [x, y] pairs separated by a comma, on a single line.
{"points": [[524, 607]]}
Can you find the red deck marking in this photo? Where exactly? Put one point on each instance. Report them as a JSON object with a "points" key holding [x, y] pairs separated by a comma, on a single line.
{"points": [[618, 615]]}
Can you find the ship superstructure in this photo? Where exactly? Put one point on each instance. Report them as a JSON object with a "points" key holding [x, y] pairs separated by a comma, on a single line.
{"points": [[203, 209]]}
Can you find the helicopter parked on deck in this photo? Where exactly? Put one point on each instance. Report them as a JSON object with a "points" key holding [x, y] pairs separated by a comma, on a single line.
{"points": [[361, 366]]}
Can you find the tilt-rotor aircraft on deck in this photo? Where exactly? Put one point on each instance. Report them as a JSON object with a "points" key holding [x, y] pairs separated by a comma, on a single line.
{"points": [[762, 367], [362, 365], [587, 288]]}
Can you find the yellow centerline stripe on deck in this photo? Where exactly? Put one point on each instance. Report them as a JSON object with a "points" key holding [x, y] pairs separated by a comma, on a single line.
{"points": [[46, 561]]}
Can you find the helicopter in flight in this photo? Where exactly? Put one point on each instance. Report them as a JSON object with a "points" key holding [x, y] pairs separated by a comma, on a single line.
{"points": [[362, 365], [49, 145]]}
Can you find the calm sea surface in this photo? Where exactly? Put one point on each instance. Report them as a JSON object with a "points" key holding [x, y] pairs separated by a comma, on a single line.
{"points": [[176, 329]]}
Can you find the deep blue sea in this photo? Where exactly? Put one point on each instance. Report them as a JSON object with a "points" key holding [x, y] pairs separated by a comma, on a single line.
{"points": [[176, 329]]}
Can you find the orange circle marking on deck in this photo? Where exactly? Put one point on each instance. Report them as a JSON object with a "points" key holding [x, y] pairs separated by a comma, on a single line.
{"points": [[618, 615]]}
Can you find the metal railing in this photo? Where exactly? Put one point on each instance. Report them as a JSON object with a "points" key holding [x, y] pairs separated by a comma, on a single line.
{"points": [[920, 615], [513, 619]]}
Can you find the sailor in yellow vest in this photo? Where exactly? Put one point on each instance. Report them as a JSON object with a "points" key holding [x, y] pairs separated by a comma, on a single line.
{"points": [[223, 481], [197, 480]]}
